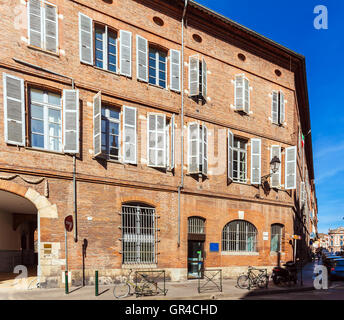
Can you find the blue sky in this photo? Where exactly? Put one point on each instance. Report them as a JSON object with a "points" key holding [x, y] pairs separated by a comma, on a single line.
{"points": [[290, 23]]}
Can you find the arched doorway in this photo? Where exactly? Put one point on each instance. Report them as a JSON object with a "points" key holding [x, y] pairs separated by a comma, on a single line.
{"points": [[18, 234]]}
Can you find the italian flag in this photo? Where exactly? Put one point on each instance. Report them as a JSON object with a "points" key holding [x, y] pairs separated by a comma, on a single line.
{"points": [[303, 141]]}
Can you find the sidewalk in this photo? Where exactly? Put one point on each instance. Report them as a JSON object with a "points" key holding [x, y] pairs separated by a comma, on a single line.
{"points": [[187, 290]]}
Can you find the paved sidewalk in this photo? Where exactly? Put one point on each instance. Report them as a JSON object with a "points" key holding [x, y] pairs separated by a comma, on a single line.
{"points": [[176, 291]]}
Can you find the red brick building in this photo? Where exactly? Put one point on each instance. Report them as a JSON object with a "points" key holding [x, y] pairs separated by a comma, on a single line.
{"points": [[153, 123]]}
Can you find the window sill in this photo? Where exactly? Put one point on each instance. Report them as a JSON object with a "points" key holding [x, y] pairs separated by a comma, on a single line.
{"points": [[153, 85], [108, 71], [45, 150], [240, 182], [43, 51], [224, 253], [274, 253]]}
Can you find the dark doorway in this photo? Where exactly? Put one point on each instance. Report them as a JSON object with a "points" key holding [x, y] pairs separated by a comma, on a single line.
{"points": [[195, 259]]}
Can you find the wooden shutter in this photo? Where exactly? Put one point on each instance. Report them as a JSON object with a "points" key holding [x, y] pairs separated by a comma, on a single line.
{"points": [[125, 53], [50, 27], [204, 79], [194, 151], [276, 177], [156, 140], [204, 150], [274, 107], [230, 155], [35, 23], [71, 121], [281, 108], [246, 96], [129, 135], [239, 92], [14, 110], [172, 141], [290, 168], [175, 70], [85, 39], [194, 75], [97, 124], [141, 58], [255, 161], [302, 194]]}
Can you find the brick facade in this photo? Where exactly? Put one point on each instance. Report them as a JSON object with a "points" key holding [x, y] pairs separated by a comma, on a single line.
{"points": [[103, 186]]}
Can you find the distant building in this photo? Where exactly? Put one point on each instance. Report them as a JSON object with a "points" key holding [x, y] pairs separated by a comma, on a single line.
{"points": [[336, 239], [323, 240]]}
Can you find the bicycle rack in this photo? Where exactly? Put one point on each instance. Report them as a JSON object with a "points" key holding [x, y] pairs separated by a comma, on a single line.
{"points": [[212, 281], [152, 277]]}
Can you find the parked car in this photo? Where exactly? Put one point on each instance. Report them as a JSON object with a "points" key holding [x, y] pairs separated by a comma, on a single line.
{"points": [[337, 269], [328, 261]]}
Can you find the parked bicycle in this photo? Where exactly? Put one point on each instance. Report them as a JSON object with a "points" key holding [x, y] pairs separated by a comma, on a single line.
{"points": [[254, 277], [145, 287]]}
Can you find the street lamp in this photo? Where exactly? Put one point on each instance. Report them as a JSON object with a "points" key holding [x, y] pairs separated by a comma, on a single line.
{"points": [[274, 167]]}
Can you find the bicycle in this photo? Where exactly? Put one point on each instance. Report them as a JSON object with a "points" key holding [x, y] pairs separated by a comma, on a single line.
{"points": [[246, 281], [124, 289]]}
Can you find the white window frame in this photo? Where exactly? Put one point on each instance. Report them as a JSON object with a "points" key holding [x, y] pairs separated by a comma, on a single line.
{"points": [[43, 32], [157, 69], [239, 150], [46, 122]]}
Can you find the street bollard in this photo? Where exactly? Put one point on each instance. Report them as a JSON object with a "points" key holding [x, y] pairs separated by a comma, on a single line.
{"points": [[66, 282], [96, 284]]}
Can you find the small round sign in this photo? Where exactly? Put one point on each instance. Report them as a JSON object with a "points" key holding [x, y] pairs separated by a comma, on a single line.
{"points": [[69, 223]]}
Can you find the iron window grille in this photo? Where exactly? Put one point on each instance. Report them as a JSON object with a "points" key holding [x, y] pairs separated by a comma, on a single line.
{"points": [[139, 234], [239, 236], [276, 237], [196, 225]]}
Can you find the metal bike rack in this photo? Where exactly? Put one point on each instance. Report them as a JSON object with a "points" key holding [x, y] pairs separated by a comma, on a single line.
{"points": [[157, 278], [212, 281]]}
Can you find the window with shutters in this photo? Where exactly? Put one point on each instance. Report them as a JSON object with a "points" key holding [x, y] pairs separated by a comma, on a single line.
{"points": [[278, 108], [198, 149], [105, 42], [157, 67], [197, 77], [239, 160], [242, 94], [43, 25], [45, 120], [110, 129], [239, 236], [276, 237]]}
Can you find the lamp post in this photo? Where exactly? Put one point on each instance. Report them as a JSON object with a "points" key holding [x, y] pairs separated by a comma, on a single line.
{"points": [[274, 167]]}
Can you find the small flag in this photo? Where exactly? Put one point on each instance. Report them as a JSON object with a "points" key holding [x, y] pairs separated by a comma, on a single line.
{"points": [[303, 141]]}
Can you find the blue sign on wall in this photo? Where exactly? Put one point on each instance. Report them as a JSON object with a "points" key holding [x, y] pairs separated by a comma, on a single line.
{"points": [[214, 247]]}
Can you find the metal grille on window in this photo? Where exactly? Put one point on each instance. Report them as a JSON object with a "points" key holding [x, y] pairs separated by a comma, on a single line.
{"points": [[139, 234], [196, 225], [239, 236], [276, 237]]}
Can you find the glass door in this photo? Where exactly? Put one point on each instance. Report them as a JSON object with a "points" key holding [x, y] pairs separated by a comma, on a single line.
{"points": [[195, 259]]}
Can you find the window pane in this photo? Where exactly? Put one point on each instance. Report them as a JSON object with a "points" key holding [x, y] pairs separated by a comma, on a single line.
{"points": [[99, 55], [54, 115], [54, 144], [114, 128], [37, 126], [54, 130], [36, 112], [114, 114], [36, 95], [114, 141], [162, 83], [54, 99], [37, 140]]}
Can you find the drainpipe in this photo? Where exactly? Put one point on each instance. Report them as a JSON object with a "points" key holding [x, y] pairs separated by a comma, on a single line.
{"points": [[182, 125]]}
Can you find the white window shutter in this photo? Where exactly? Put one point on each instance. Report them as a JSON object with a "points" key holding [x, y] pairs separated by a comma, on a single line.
{"points": [[71, 121], [204, 79], [175, 70], [129, 135], [125, 53], [14, 110], [85, 39], [276, 177], [290, 168], [302, 193], [97, 124], [194, 75], [141, 58], [50, 27], [172, 141], [204, 150], [156, 140], [246, 96], [239, 92], [281, 108], [194, 152], [274, 107], [167, 144], [255, 161], [35, 23], [230, 155]]}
